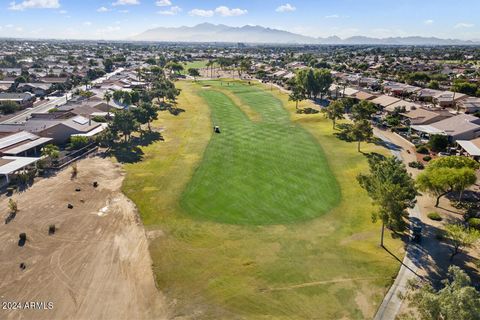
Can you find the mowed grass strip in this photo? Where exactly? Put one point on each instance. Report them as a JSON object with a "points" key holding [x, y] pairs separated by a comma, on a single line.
{"points": [[265, 172]]}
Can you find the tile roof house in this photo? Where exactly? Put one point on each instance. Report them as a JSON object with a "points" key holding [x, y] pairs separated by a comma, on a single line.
{"points": [[385, 100], [422, 116], [460, 127], [58, 129]]}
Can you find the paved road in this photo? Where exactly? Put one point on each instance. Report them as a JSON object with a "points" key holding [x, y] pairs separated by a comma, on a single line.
{"points": [[54, 102], [391, 303]]}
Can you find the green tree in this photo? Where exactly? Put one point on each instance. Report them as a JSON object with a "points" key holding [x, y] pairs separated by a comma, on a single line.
{"points": [[447, 174], [361, 131], [123, 97], [146, 113], [245, 66], [124, 122], [457, 162], [457, 300], [175, 67], [324, 80], [363, 110], [463, 86], [51, 151], [335, 111], [296, 95], [392, 190], [9, 107], [438, 142], [78, 142], [460, 237], [193, 72], [434, 84], [108, 65]]}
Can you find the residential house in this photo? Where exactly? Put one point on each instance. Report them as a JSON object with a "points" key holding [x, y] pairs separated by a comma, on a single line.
{"points": [[24, 100], [422, 116], [21, 144], [459, 127], [384, 100], [38, 89], [448, 99], [469, 105], [470, 148]]}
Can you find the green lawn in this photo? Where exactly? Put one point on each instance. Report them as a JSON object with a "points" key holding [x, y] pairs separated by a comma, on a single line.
{"points": [[259, 172], [321, 263], [195, 65]]}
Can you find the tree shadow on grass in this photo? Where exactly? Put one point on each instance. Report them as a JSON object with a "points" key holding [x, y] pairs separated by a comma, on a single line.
{"points": [[307, 111], [127, 153], [170, 108], [130, 152], [147, 138], [344, 132]]}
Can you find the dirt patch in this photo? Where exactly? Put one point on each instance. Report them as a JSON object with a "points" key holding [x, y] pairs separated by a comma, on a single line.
{"points": [[95, 266]]}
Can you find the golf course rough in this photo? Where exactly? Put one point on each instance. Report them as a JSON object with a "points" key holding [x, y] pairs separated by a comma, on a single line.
{"points": [[259, 172]]}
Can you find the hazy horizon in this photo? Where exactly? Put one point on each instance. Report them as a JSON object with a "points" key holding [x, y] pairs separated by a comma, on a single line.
{"points": [[121, 19]]}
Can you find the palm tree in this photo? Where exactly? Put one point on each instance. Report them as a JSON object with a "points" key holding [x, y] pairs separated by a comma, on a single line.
{"points": [[209, 64], [107, 97]]}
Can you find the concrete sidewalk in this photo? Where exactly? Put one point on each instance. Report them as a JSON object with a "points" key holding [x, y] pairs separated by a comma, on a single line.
{"points": [[392, 303]]}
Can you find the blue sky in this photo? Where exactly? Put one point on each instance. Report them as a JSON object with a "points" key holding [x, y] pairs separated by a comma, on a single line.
{"points": [[120, 19]]}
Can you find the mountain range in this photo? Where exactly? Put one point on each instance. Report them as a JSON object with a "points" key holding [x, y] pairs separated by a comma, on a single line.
{"points": [[207, 32]]}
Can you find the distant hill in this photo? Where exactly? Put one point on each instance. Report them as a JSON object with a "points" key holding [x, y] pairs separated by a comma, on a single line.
{"points": [[207, 32]]}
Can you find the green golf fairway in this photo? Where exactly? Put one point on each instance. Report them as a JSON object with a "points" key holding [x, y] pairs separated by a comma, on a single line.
{"points": [[269, 171]]}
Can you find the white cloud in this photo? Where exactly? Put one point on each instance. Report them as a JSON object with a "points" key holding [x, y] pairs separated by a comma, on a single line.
{"points": [[428, 22], [123, 11], [332, 16], [221, 11], [287, 7], [462, 25], [63, 11], [34, 4], [227, 12], [102, 9], [87, 23], [201, 13], [125, 2], [171, 12], [163, 3]]}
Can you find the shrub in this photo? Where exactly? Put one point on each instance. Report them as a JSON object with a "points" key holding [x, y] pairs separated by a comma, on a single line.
{"points": [[9, 107], [427, 158], [434, 216], [78, 142], [416, 164], [422, 149], [13, 206], [438, 142], [474, 223], [99, 119]]}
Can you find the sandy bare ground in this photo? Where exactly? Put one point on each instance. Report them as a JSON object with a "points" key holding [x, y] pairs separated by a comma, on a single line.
{"points": [[95, 266]]}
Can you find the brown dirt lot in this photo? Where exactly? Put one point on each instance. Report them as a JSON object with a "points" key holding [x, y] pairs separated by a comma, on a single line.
{"points": [[95, 266]]}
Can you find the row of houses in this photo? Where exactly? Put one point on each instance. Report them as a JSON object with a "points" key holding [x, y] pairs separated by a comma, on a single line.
{"points": [[426, 119]]}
